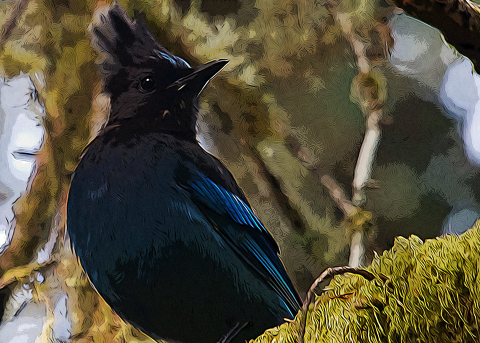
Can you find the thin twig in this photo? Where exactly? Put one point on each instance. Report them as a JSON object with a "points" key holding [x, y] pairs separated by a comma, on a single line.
{"points": [[337, 194], [16, 273], [373, 112], [365, 158], [336, 191], [363, 169], [349, 207], [329, 272], [7, 29], [357, 249]]}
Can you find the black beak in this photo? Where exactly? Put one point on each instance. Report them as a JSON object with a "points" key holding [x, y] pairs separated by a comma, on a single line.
{"points": [[199, 77]]}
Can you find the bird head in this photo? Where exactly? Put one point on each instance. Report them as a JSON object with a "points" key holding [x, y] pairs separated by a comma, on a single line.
{"points": [[145, 81]]}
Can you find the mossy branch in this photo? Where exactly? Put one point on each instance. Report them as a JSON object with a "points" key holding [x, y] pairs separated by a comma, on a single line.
{"points": [[421, 292], [330, 272]]}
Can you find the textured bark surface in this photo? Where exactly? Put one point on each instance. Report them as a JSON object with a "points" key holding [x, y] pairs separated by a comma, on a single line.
{"points": [[459, 21]]}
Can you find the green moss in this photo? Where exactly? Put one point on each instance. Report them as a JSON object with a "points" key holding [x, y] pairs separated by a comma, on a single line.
{"points": [[424, 292]]}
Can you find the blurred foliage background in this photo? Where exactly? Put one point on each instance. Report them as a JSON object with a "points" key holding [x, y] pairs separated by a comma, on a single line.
{"points": [[288, 115]]}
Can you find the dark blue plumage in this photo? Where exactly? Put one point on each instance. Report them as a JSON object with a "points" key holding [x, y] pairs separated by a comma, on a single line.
{"points": [[159, 225]]}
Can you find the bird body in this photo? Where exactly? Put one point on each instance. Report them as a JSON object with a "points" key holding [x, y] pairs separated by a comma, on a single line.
{"points": [[166, 236], [153, 255]]}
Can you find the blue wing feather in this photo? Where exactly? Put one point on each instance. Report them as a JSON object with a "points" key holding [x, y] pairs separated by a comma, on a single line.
{"points": [[251, 240], [223, 201]]}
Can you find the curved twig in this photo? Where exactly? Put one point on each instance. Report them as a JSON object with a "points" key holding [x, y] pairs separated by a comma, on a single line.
{"points": [[329, 272]]}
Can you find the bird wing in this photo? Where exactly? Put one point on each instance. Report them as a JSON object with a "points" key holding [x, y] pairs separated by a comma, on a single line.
{"points": [[235, 221]]}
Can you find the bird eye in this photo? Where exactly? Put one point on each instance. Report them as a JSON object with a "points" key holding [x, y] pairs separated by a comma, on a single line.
{"points": [[147, 84]]}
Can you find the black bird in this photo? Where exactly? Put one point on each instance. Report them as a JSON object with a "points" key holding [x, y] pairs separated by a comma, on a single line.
{"points": [[165, 234]]}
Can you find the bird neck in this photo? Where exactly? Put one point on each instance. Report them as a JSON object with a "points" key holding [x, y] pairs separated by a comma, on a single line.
{"points": [[180, 124]]}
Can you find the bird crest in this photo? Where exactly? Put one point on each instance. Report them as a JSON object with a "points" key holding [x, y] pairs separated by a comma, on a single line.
{"points": [[122, 42]]}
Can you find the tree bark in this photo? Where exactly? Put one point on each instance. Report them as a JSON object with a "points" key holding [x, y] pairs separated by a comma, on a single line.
{"points": [[458, 20]]}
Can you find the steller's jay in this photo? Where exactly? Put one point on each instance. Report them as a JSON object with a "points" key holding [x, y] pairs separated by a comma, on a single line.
{"points": [[160, 226]]}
